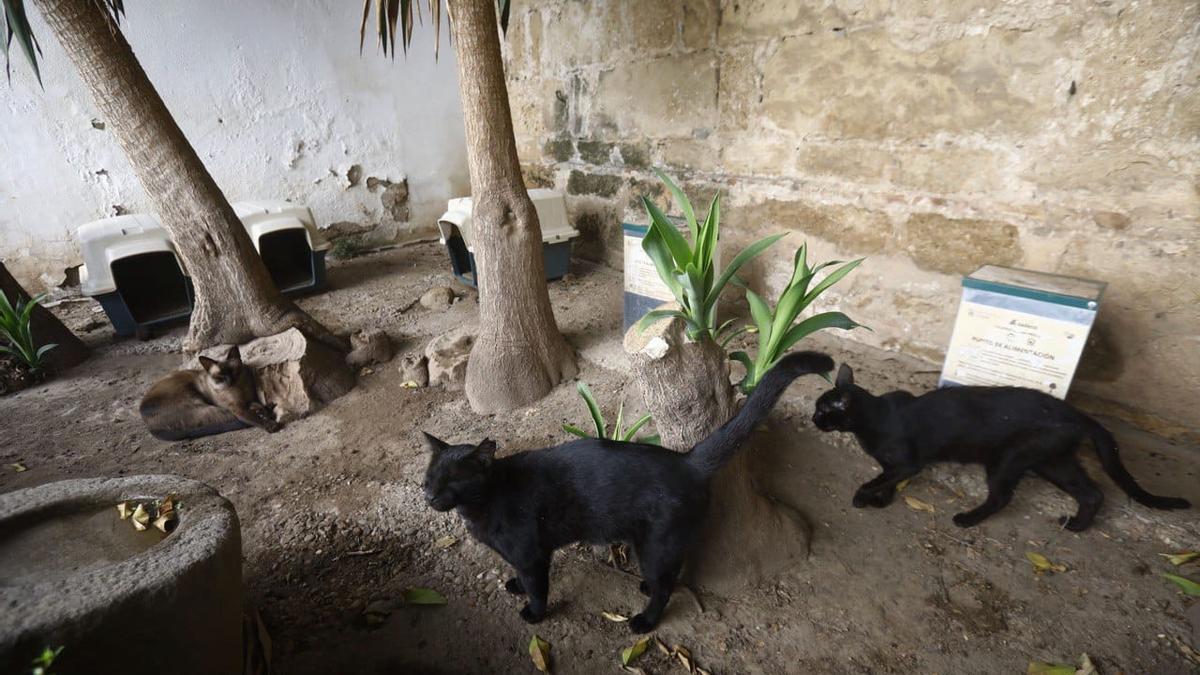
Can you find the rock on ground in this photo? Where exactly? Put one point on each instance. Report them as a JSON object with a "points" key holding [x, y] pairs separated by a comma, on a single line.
{"points": [[369, 347], [448, 354], [438, 297], [415, 368]]}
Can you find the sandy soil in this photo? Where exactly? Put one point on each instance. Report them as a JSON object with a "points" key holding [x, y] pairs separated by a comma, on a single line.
{"points": [[333, 520]]}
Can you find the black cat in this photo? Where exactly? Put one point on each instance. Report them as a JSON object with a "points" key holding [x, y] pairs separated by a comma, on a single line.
{"points": [[1009, 430], [527, 505]]}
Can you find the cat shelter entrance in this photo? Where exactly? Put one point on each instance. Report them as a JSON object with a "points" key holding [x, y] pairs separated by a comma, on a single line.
{"points": [[131, 269], [288, 241]]}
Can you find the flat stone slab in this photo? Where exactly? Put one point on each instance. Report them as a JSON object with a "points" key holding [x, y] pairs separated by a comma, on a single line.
{"points": [[73, 574]]}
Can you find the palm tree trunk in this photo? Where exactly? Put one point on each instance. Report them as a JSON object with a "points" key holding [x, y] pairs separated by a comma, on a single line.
{"points": [[519, 355], [236, 299], [46, 328]]}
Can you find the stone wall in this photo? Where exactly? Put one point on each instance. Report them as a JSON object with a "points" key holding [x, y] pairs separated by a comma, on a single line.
{"points": [[929, 136]]}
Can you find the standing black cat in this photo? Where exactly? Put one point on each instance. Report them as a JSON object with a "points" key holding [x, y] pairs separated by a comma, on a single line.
{"points": [[1009, 430], [527, 505]]}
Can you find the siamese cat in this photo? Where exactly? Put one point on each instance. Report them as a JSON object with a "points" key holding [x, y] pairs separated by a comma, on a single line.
{"points": [[525, 506], [191, 403], [1009, 430]]}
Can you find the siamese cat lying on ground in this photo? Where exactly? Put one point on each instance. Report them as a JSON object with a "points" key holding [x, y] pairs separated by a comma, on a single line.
{"points": [[1009, 430], [527, 505], [218, 398]]}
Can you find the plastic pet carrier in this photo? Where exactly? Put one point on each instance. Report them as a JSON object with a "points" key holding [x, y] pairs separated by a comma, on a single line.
{"points": [[557, 233], [288, 241], [131, 268]]}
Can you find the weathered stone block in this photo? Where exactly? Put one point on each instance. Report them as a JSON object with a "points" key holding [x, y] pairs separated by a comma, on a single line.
{"points": [[580, 183], [635, 155], [559, 149], [853, 229], [537, 176], [700, 18], [865, 86], [690, 154], [595, 152], [447, 356], [296, 375], [663, 97], [959, 246]]}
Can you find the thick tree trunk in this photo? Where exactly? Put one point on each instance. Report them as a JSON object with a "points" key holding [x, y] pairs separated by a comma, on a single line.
{"points": [[519, 355], [236, 299], [46, 328], [748, 537]]}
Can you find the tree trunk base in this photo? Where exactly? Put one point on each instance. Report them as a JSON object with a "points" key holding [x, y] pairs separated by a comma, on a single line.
{"points": [[206, 331], [748, 537], [503, 374]]}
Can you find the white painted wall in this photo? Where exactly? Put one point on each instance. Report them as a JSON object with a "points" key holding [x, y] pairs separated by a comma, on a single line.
{"points": [[275, 99]]}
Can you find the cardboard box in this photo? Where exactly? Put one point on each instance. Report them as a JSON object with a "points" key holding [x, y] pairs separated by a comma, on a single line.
{"points": [[1020, 328]]}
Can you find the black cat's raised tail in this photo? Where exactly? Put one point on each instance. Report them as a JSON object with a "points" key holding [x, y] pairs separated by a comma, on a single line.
{"points": [[1106, 447], [713, 452]]}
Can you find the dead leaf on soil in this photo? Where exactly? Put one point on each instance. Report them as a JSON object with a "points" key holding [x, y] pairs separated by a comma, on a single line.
{"points": [[633, 669], [422, 596], [446, 541], [124, 510], [1086, 667], [539, 651], [141, 517], [409, 384], [632, 652], [1188, 586], [1042, 564], [18, 467], [918, 505], [1039, 668], [662, 646], [901, 485], [685, 658], [1182, 557], [614, 617]]}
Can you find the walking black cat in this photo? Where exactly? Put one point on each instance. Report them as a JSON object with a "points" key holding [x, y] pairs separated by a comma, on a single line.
{"points": [[1009, 430], [527, 505]]}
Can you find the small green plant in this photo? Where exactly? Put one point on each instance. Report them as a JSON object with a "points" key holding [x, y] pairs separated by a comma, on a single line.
{"points": [[347, 248], [775, 329], [16, 332], [617, 433], [688, 269], [41, 664]]}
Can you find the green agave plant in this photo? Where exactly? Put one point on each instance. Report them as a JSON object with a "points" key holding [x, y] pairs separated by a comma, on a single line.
{"points": [[775, 329], [15, 330], [617, 433], [688, 270]]}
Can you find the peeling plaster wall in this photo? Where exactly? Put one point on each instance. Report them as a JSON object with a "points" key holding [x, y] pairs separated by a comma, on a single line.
{"points": [[277, 102], [932, 137]]}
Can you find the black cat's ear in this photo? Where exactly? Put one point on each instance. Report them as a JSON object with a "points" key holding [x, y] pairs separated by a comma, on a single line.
{"points": [[432, 443], [234, 356], [206, 363], [486, 449], [845, 376]]}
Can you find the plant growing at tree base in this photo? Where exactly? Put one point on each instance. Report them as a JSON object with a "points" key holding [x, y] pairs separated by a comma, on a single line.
{"points": [[777, 330], [617, 433], [15, 330], [688, 270]]}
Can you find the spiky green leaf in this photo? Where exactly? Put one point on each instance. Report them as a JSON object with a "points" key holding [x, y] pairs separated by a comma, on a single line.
{"points": [[813, 324], [682, 202], [593, 408], [637, 424]]}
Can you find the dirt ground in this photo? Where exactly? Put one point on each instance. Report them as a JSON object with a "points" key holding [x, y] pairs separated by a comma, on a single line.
{"points": [[333, 520]]}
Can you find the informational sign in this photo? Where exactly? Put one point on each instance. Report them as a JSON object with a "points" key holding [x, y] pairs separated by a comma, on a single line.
{"points": [[1020, 328]]}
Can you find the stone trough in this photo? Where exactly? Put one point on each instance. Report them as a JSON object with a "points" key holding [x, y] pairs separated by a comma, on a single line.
{"points": [[74, 574]]}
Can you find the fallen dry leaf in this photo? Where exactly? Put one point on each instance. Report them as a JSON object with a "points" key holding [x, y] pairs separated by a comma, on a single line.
{"points": [[141, 518], [1188, 586], [1178, 559], [662, 646], [123, 509], [918, 505], [614, 617], [901, 485], [18, 467], [422, 596], [1039, 668], [410, 384], [685, 658], [446, 541], [1042, 564], [539, 651], [1086, 667], [166, 522], [632, 652], [633, 669]]}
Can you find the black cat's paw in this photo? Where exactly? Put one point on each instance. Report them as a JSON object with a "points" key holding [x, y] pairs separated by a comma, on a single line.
{"points": [[514, 586], [531, 616], [1074, 524], [644, 588], [966, 519], [640, 624]]}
